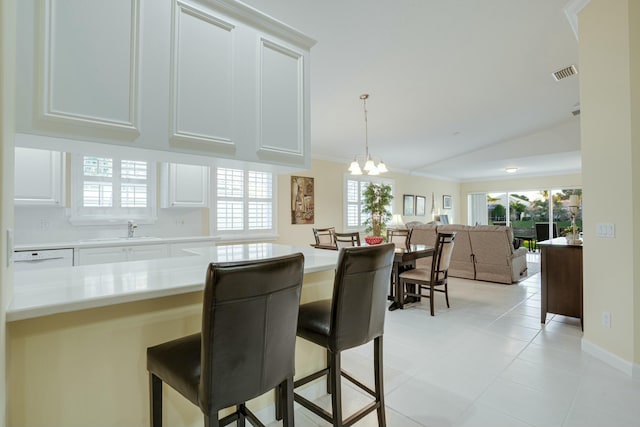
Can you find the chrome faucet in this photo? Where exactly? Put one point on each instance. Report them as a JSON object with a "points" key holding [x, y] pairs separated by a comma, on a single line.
{"points": [[131, 226]]}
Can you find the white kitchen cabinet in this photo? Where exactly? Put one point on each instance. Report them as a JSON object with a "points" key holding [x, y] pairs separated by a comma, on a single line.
{"points": [[239, 80], [39, 177], [185, 186], [103, 255], [87, 256], [81, 68]]}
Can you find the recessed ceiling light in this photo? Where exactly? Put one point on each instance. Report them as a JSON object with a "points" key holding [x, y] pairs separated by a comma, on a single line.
{"points": [[511, 170]]}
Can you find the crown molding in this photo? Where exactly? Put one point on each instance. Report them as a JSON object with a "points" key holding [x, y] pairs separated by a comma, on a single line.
{"points": [[571, 11]]}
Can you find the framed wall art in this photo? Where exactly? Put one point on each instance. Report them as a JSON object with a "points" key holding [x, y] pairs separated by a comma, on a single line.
{"points": [[446, 202], [408, 205], [302, 200], [421, 203]]}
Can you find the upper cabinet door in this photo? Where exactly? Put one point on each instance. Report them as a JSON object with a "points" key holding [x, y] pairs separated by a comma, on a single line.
{"points": [[202, 79], [184, 186], [89, 67], [281, 119], [39, 177]]}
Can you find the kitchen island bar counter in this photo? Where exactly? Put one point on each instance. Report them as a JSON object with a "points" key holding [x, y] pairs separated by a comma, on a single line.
{"points": [[59, 290]]}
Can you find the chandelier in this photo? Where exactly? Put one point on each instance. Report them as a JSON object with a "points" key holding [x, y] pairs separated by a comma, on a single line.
{"points": [[369, 165]]}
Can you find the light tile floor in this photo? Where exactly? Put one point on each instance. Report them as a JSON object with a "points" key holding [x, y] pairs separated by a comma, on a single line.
{"points": [[487, 361]]}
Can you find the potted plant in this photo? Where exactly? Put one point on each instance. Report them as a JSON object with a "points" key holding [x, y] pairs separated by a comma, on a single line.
{"points": [[377, 199], [571, 234]]}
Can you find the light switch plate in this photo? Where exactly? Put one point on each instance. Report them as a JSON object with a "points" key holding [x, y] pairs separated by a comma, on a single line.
{"points": [[605, 230]]}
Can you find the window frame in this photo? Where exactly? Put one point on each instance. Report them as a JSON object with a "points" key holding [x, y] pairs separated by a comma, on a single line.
{"points": [[115, 214], [360, 179], [245, 234]]}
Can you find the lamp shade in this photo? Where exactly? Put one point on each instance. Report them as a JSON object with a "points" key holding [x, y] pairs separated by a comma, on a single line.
{"points": [[354, 168], [396, 221], [574, 200]]}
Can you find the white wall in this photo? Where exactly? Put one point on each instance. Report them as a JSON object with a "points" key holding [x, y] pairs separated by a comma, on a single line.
{"points": [[329, 199], [610, 110], [34, 224], [7, 120]]}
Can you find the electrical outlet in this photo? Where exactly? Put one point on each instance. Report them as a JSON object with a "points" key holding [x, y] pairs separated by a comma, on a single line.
{"points": [[606, 319]]}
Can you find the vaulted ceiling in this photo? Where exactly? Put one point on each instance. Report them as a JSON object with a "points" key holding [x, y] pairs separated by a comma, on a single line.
{"points": [[459, 89]]}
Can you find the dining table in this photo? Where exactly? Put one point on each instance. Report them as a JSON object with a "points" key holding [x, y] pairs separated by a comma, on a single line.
{"points": [[404, 258]]}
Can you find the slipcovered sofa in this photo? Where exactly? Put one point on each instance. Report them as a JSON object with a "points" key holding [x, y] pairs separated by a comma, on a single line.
{"points": [[483, 252]]}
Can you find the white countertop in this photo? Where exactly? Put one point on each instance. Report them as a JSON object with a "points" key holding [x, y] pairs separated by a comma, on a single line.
{"points": [[63, 289]]}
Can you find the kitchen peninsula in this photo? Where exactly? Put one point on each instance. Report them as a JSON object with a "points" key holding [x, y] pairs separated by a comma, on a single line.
{"points": [[78, 335]]}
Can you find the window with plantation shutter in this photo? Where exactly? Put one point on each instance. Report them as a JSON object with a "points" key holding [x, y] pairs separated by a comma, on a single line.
{"points": [[244, 201], [112, 189], [354, 218]]}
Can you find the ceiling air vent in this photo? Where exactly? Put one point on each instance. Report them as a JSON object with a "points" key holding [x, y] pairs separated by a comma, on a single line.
{"points": [[565, 72]]}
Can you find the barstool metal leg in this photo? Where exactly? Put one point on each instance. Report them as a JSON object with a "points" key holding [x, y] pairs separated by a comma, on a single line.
{"points": [[379, 380], [241, 415], [287, 402], [155, 401], [279, 401], [328, 356], [336, 395], [211, 421]]}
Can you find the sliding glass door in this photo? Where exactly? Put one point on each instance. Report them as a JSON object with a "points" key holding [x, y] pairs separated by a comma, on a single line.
{"points": [[528, 212]]}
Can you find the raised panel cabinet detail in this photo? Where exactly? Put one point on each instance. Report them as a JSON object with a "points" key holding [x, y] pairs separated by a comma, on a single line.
{"points": [[281, 100], [184, 186], [88, 256], [89, 65], [214, 78], [202, 78], [39, 177]]}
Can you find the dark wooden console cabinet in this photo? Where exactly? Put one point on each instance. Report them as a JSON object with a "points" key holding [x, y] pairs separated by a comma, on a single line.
{"points": [[561, 278]]}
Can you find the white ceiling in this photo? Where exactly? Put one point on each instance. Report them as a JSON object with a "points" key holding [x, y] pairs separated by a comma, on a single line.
{"points": [[459, 89]]}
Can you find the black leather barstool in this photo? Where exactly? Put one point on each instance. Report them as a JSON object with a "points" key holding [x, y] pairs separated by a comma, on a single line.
{"points": [[354, 316], [246, 346]]}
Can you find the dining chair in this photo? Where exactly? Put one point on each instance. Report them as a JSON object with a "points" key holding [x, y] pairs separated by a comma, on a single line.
{"points": [[346, 240], [399, 236], [437, 275], [246, 346], [352, 317], [542, 231], [324, 237]]}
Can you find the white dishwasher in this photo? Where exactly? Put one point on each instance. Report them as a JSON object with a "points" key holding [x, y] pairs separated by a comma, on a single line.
{"points": [[38, 259]]}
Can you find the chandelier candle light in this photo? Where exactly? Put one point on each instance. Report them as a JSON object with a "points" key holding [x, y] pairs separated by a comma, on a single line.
{"points": [[369, 166]]}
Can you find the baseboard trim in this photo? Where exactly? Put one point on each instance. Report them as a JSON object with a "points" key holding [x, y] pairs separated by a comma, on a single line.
{"points": [[626, 367]]}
